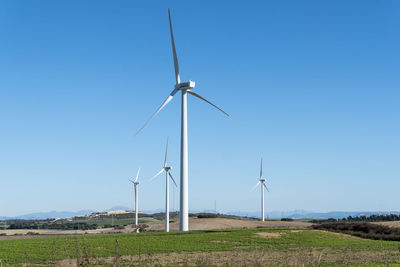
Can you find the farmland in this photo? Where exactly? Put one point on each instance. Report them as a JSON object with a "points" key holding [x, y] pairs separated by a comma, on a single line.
{"points": [[240, 247]]}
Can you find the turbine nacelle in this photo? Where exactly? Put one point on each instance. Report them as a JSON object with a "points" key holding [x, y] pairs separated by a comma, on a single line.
{"points": [[166, 168], [261, 180], [185, 85], [136, 182]]}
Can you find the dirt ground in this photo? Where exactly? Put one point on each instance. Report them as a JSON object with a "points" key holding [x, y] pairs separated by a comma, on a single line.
{"points": [[34, 233], [222, 223], [194, 224]]}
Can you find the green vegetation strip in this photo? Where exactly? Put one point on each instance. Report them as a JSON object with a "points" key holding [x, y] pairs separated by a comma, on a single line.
{"points": [[47, 250]]}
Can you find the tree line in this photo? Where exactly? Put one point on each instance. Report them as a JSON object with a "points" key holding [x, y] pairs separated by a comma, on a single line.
{"points": [[54, 226], [372, 218]]}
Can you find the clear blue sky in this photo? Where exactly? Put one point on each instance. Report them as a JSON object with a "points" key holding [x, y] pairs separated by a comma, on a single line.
{"points": [[311, 86]]}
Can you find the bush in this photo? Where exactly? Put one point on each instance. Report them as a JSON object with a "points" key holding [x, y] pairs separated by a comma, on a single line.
{"points": [[324, 220], [362, 229], [287, 219], [142, 227], [207, 215], [32, 233], [373, 218]]}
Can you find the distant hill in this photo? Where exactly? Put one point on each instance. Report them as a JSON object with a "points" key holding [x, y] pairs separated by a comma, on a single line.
{"points": [[119, 208]]}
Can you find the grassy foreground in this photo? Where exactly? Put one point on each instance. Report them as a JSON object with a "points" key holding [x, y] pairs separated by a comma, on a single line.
{"points": [[248, 247]]}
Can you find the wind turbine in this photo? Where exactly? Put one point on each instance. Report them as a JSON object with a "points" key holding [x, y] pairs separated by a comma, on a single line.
{"points": [[262, 182], [136, 184], [185, 88], [168, 175]]}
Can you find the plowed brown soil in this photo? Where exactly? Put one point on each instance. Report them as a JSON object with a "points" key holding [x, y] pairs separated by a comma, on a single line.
{"points": [[223, 223]]}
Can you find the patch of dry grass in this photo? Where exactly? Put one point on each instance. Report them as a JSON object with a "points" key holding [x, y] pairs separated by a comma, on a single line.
{"points": [[275, 234], [395, 224], [269, 234]]}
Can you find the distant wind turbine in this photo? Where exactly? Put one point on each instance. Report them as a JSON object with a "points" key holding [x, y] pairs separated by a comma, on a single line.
{"points": [[262, 182], [136, 184], [168, 175], [185, 88]]}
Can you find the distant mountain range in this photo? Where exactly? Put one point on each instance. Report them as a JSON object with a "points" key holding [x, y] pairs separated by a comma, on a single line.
{"points": [[302, 214], [57, 214], [50, 214], [296, 214]]}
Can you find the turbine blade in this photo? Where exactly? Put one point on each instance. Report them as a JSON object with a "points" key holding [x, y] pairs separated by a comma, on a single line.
{"points": [[196, 95], [152, 178], [176, 65], [130, 181], [170, 175], [137, 175], [261, 169], [169, 98], [255, 186], [266, 187], [166, 155]]}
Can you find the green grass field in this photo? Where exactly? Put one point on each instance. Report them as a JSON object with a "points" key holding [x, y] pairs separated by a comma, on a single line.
{"points": [[277, 247]]}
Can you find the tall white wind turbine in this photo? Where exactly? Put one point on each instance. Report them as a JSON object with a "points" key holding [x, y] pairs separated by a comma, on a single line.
{"points": [[168, 175], [136, 184], [262, 182], [185, 88]]}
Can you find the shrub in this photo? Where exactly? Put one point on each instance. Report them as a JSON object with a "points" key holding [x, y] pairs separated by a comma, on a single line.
{"points": [[373, 218], [324, 220], [362, 229], [32, 233], [207, 215], [142, 227]]}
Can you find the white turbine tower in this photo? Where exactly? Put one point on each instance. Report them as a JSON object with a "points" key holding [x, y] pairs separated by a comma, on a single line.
{"points": [[136, 184], [185, 88], [168, 175], [262, 182]]}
